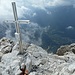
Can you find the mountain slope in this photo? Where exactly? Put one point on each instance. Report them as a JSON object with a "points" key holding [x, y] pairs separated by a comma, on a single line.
{"points": [[37, 60]]}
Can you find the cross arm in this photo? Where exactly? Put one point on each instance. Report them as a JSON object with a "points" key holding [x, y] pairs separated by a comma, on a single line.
{"points": [[23, 21], [9, 21], [19, 21]]}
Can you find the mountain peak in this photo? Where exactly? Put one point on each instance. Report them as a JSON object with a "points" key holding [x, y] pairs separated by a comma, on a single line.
{"points": [[36, 59]]}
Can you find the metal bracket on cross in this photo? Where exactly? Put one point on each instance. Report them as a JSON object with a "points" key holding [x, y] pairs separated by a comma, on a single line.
{"points": [[17, 22]]}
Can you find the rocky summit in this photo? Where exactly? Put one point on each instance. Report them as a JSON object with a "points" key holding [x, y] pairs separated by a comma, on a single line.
{"points": [[36, 59]]}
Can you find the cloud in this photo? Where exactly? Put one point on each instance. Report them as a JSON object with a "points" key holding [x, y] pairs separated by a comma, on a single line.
{"points": [[34, 14], [6, 9], [24, 6], [70, 27], [45, 3], [59, 2], [49, 12], [32, 33]]}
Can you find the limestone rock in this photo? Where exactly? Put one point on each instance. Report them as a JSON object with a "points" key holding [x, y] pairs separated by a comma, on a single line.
{"points": [[1, 54], [73, 73], [33, 73], [6, 45], [71, 68], [5, 41], [37, 60], [6, 49], [66, 48], [18, 72], [62, 50], [28, 63]]}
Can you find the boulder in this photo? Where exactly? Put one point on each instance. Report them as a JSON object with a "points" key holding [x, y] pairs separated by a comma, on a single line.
{"points": [[73, 73], [18, 72], [62, 50], [11, 63], [66, 48], [6, 45], [37, 51], [33, 73], [6, 49], [5, 41], [28, 63], [1, 54], [71, 68]]}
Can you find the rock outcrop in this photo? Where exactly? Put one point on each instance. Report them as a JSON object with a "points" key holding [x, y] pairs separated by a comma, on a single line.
{"points": [[66, 48], [6, 45], [37, 60]]}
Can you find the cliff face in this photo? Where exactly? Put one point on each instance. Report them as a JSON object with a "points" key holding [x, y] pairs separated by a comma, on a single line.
{"points": [[37, 60]]}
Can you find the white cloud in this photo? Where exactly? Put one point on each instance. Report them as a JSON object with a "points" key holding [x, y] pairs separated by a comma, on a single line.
{"points": [[61, 2], [49, 12], [69, 27], [23, 10], [6, 9], [28, 34], [32, 33], [24, 6], [34, 14]]}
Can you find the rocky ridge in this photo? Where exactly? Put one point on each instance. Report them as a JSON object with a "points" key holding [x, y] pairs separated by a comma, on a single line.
{"points": [[66, 48], [37, 60]]}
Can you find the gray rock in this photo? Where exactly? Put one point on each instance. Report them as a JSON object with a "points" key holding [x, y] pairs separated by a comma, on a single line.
{"points": [[6, 49], [6, 45], [33, 73], [62, 50], [18, 72], [37, 60], [1, 54], [7, 58], [71, 68], [73, 73], [29, 63], [66, 48]]}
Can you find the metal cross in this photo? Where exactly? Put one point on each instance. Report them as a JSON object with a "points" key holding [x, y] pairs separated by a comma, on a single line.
{"points": [[17, 22]]}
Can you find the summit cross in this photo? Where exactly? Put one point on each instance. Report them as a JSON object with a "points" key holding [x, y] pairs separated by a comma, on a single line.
{"points": [[17, 22]]}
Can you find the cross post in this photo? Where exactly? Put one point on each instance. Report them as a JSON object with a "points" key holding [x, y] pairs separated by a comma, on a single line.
{"points": [[17, 22]]}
